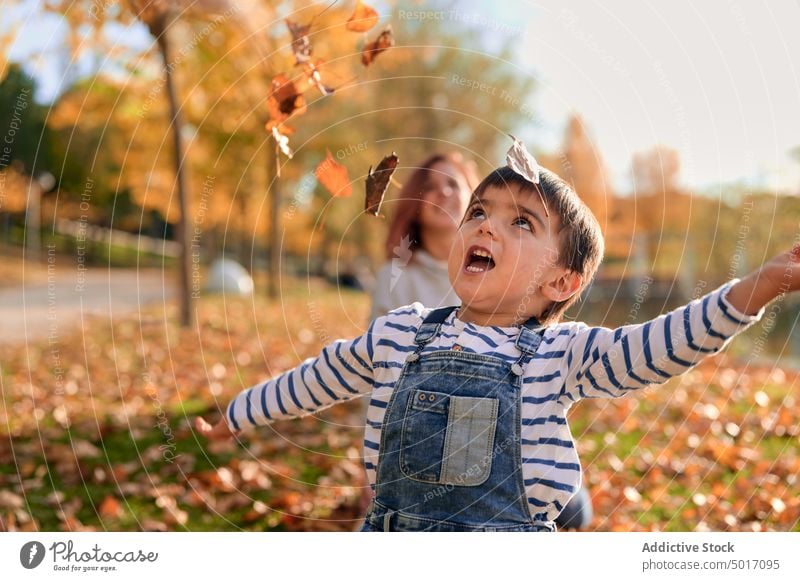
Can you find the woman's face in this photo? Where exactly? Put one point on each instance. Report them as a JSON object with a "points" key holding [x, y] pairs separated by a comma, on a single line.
{"points": [[445, 196]]}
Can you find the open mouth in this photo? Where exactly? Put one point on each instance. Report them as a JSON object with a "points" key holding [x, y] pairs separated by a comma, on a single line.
{"points": [[478, 260]]}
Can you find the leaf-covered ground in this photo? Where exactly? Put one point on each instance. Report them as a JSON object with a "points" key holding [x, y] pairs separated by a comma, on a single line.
{"points": [[95, 432]]}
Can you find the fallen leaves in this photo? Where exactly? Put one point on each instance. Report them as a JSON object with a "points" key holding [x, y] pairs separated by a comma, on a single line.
{"points": [[693, 455], [698, 455], [119, 467]]}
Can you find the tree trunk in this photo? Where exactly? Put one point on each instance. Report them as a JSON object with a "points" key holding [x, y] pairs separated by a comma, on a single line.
{"points": [[274, 225], [182, 231]]}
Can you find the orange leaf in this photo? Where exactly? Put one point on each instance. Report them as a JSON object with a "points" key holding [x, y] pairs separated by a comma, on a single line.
{"points": [[334, 177], [110, 508], [364, 17]]}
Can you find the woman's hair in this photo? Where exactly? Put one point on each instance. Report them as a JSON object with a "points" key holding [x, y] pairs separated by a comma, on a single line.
{"points": [[406, 217], [581, 245]]}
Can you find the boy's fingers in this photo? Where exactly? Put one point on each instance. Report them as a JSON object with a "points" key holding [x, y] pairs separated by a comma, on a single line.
{"points": [[216, 431]]}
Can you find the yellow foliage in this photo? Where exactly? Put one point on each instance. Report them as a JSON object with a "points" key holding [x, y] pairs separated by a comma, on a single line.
{"points": [[13, 190]]}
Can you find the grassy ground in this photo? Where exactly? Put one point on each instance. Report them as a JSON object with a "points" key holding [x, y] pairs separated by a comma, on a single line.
{"points": [[94, 432]]}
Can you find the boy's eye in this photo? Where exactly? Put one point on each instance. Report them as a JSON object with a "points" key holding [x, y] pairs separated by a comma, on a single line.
{"points": [[524, 222], [477, 213]]}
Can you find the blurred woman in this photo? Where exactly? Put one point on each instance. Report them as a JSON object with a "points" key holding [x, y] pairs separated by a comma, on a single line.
{"points": [[426, 218]]}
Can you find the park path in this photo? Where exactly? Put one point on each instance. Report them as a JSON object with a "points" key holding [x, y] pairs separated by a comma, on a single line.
{"points": [[56, 303]]}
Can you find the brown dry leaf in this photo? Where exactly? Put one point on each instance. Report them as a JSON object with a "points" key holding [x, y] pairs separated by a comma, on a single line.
{"points": [[377, 182], [372, 49], [334, 177], [285, 99], [364, 17], [301, 45], [524, 164]]}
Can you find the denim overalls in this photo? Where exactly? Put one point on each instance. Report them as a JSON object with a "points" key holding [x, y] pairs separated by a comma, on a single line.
{"points": [[450, 457]]}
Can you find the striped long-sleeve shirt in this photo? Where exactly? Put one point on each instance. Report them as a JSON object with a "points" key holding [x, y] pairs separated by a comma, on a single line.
{"points": [[574, 361]]}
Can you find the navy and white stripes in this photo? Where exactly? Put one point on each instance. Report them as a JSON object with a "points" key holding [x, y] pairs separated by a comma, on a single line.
{"points": [[574, 361]]}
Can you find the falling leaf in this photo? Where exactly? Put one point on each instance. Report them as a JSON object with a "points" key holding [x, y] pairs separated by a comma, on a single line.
{"points": [[285, 99], [282, 143], [524, 164], [334, 177], [377, 182], [364, 17], [315, 78], [301, 45], [373, 49]]}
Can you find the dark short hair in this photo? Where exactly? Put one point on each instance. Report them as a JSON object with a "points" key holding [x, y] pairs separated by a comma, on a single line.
{"points": [[581, 239]]}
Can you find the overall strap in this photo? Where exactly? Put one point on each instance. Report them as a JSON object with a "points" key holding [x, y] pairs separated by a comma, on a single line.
{"points": [[530, 335], [430, 326], [528, 341]]}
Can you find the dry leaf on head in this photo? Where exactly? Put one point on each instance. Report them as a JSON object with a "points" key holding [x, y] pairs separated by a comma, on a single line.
{"points": [[377, 182], [524, 164]]}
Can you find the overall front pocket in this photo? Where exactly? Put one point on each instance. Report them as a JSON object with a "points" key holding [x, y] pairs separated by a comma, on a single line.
{"points": [[448, 439]]}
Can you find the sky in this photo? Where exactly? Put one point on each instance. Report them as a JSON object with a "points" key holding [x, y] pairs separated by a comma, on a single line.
{"points": [[714, 79]]}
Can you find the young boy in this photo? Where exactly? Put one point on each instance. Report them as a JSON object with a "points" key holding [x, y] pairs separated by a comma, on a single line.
{"points": [[466, 427]]}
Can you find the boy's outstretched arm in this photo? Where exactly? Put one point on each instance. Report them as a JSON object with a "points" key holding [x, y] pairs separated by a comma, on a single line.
{"points": [[604, 362], [777, 277], [342, 371]]}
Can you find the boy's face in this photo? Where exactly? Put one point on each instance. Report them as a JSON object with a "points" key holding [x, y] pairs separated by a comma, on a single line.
{"points": [[504, 261]]}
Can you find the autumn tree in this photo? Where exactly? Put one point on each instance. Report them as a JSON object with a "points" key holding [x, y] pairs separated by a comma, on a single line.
{"points": [[414, 100], [583, 167]]}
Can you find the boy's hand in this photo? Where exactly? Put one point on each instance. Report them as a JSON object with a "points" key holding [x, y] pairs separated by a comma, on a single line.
{"points": [[783, 271], [779, 275], [219, 431]]}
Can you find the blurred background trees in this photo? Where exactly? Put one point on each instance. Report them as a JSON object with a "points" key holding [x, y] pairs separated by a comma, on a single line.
{"points": [[108, 138]]}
